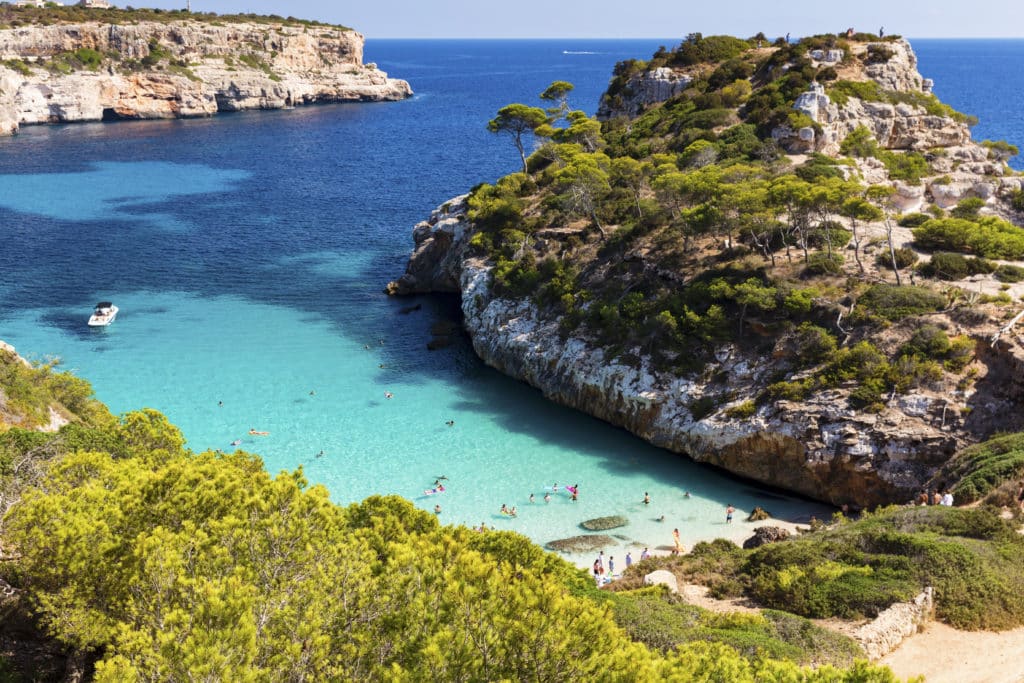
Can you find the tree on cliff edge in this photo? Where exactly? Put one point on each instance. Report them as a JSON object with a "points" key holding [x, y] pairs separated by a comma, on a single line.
{"points": [[516, 120]]}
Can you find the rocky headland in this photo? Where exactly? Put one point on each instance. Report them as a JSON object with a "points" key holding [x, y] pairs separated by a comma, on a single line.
{"points": [[747, 405], [117, 67]]}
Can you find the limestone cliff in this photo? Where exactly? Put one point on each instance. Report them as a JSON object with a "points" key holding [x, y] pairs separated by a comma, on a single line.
{"points": [[819, 443], [818, 447], [97, 71]]}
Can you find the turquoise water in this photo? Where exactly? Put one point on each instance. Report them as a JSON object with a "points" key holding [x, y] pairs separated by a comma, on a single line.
{"points": [[248, 255]]}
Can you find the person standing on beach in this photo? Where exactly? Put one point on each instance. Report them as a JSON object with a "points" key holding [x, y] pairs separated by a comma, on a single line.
{"points": [[677, 544], [728, 513], [644, 555], [629, 560], [611, 567]]}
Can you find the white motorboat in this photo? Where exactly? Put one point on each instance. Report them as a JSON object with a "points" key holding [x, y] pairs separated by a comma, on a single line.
{"points": [[103, 315]]}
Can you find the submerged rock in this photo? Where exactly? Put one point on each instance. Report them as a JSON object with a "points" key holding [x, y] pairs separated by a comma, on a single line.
{"points": [[603, 523], [581, 544]]}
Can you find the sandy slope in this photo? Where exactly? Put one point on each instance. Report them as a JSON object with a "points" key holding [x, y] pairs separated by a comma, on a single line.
{"points": [[944, 655]]}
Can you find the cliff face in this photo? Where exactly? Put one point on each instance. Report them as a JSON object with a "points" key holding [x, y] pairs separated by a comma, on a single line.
{"points": [[151, 70], [817, 445]]}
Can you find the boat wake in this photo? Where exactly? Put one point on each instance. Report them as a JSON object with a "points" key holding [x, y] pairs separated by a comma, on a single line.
{"points": [[579, 52]]}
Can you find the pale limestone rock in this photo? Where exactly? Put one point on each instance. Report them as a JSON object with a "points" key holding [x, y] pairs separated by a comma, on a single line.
{"points": [[303, 65], [662, 577], [645, 89], [908, 198]]}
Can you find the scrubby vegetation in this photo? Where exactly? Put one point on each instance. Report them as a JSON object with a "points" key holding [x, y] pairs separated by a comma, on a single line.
{"points": [[973, 558], [11, 16], [993, 466], [682, 229], [150, 562]]}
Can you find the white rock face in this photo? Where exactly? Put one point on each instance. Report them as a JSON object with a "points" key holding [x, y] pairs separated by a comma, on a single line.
{"points": [[645, 89], [230, 67], [662, 577]]}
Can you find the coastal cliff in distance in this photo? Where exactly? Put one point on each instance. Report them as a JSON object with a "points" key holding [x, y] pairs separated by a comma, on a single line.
{"points": [[125, 65], [778, 260]]}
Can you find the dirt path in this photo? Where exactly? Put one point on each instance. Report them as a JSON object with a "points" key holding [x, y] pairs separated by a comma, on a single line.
{"points": [[944, 655]]}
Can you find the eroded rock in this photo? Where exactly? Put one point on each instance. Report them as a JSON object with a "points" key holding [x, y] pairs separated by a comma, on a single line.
{"points": [[581, 544]]}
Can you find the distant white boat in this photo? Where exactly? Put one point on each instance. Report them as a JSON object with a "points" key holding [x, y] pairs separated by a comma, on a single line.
{"points": [[103, 315]]}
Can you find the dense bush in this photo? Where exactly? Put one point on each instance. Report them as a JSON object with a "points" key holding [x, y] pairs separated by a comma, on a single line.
{"points": [[696, 49], [1009, 273], [976, 470], [972, 557], [989, 237], [913, 220], [824, 264], [946, 266], [894, 302]]}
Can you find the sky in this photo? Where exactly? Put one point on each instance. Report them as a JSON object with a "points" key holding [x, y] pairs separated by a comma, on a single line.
{"points": [[644, 19]]}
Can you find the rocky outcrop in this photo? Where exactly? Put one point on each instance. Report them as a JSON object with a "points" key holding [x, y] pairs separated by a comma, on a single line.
{"points": [[180, 69], [818, 447], [644, 89], [764, 535], [662, 577], [436, 261]]}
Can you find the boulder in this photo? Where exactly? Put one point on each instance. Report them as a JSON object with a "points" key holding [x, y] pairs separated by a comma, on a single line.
{"points": [[758, 514], [604, 523], [662, 577], [764, 535], [581, 544]]}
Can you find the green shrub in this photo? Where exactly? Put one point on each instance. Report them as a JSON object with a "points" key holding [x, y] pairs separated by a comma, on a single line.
{"points": [[976, 470], [895, 302], [913, 220], [1017, 200], [696, 49], [907, 166], [878, 54], [989, 237], [929, 341], [946, 266], [1009, 273], [741, 411], [822, 263], [967, 208]]}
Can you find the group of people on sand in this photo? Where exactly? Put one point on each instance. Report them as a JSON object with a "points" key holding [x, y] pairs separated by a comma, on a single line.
{"points": [[937, 497]]}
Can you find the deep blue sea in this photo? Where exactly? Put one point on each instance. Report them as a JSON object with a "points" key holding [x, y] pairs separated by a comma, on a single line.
{"points": [[248, 253]]}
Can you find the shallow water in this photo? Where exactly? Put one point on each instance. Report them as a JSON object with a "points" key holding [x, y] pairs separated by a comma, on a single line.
{"points": [[248, 253]]}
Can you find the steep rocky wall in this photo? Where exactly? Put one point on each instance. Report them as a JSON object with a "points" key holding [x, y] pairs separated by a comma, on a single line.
{"points": [[206, 68], [818, 447]]}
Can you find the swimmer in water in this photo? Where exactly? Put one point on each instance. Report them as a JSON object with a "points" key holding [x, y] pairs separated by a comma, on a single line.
{"points": [[686, 495], [531, 497], [547, 497], [437, 509], [504, 509], [647, 498], [312, 393], [220, 403], [236, 442], [450, 423], [388, 394], [512, 512], [320, 454]]}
